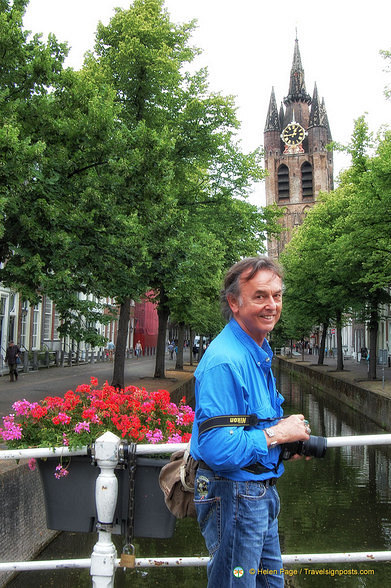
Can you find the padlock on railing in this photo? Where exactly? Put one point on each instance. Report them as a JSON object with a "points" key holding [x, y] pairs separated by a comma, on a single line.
{"points": [[128, 557]]}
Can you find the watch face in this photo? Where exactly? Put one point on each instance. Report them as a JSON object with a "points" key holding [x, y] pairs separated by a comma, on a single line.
{"points": [[293, 134]]}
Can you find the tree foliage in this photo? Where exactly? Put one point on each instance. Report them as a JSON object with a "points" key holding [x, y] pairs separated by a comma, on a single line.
{"points": [[121, 178], [338, 262]]}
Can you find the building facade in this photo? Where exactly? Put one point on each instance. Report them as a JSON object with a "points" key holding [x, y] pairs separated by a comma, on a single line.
{"points": [[296, 159]]}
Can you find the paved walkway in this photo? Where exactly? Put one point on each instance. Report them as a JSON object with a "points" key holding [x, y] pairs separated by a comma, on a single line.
{"points": [[354, 372], [55, 381]]}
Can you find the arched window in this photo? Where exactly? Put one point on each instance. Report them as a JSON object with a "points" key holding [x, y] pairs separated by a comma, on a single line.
{"points": [[306, 180], [283, 182]]}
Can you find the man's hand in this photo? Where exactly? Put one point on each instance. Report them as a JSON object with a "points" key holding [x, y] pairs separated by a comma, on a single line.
{"points": [[293, 428]]}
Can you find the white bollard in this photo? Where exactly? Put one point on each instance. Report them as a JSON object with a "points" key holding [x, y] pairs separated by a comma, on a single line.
{"points": [[104, 555]]}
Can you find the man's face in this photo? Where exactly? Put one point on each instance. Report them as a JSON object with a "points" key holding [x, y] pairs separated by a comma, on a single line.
{"points": [[259, 306]]}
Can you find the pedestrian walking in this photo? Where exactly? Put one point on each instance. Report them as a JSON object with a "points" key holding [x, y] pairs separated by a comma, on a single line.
{"points": [[171, 348], [12, 357], [111, 349], [138, 349]]}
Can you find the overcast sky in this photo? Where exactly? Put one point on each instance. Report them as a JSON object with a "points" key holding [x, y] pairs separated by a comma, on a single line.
{"points": [[248, 48]]}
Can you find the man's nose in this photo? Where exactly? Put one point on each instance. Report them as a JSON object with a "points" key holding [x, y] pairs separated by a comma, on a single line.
{"points": [[271, 303]]}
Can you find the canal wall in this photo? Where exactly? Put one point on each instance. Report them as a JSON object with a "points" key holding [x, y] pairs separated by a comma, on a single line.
{"points": [[23, 531], [185, 389], [372, 404]]}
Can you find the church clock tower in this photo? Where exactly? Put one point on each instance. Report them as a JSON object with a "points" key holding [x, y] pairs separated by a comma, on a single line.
{"points": [[295, 140]]}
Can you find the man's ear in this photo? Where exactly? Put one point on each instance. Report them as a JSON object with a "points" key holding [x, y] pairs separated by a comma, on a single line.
{"points": [[233, 303]]}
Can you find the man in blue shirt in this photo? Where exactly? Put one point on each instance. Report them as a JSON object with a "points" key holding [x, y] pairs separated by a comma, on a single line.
{"points": [[235, 494]]}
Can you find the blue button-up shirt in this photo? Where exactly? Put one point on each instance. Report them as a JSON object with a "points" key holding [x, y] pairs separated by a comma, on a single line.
{"points": [[235, 377]]}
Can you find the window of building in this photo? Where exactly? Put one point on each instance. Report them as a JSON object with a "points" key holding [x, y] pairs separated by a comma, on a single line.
{"points": [[47, 325], [283, 182], [34, 336], [306, 180], [23, 324], [56, 323]]}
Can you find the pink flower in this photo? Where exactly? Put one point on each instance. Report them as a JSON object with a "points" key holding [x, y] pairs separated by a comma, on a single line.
{"points": [[60, 472], [11, 429], [84, 426], [22, 407], [176, 438], [154, 436], [32, 464], [64, 418]]}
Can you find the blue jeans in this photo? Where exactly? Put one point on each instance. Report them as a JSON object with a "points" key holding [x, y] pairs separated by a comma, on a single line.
{"points": [[238, 521]]}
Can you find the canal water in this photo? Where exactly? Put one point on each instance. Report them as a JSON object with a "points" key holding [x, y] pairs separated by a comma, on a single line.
{"points": [[339, 503]]}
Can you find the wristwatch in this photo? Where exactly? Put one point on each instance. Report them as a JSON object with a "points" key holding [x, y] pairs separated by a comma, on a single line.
{"points": [[270, 434]]}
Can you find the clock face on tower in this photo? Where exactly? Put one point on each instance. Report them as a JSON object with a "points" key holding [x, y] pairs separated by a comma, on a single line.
{"points": [[293, 134]]}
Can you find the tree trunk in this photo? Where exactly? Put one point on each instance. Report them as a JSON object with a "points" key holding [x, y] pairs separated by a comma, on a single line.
{"points": [[201, 348], [323, 343], [191, 337], [373, 330], [118, 380], [163, 314], [181, 340], [340, 365]]}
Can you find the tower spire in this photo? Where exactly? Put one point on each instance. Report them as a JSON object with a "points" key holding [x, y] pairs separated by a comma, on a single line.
{"points": [[315, 116], [297, 91], [272, 119]]}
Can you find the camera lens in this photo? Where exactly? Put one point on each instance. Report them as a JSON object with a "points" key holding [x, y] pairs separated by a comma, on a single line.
{"points": [[315, 446]]}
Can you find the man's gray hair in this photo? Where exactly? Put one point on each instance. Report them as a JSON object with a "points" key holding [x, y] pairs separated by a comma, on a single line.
{"points": [[231, 286]]}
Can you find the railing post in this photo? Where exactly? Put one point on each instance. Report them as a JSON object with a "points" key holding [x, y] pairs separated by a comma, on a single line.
{"points": [[26, 362], [103, 558]]}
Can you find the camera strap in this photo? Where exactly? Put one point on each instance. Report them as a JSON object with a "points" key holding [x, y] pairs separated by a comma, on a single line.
{"points": [[229, 420], [237, 420]]}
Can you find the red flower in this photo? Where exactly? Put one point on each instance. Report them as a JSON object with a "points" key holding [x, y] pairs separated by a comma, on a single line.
{"points": [[38, 412]]}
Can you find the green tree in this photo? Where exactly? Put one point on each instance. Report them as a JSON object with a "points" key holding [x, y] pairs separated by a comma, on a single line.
{"points": [[317, 289], [28, 68], [363, 249], [180, 154], [338, 254], [65, 229]]}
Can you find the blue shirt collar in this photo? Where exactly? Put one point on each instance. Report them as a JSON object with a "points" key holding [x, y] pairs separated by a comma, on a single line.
{"points": [[262, 355]]}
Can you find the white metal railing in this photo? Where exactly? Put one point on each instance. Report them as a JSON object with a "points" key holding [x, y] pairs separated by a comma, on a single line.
{"points": [[104, 561]]}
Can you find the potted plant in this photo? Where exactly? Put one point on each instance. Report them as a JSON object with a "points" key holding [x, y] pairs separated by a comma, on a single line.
{"points": [[76, 420]]}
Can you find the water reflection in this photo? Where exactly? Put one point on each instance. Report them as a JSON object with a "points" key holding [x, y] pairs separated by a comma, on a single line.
{"points": [[340, 503], [337, 504]]}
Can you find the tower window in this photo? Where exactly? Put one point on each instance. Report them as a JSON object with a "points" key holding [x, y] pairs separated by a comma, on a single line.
{"points": [[283, 182], [306, 180]]}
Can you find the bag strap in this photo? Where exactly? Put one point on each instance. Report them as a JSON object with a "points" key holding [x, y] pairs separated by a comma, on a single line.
{"points": [[182, 469]]}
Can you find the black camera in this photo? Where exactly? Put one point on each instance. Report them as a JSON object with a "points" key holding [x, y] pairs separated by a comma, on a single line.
{"points": [[314, 447]]}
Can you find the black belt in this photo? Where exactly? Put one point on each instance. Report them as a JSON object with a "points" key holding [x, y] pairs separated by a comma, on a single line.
{"points": [[254, 469]]}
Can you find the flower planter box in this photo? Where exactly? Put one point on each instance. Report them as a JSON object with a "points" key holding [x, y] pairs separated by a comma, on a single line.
{"points": [[70, 501]]}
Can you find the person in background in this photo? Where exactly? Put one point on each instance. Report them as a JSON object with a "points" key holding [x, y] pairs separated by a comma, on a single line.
{"points": [[11, 357], [235, 495], [138, 349], [111, 349]]}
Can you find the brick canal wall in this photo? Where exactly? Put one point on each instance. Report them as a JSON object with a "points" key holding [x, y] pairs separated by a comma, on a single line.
{"points": [[373, 405], [23, 531]]}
